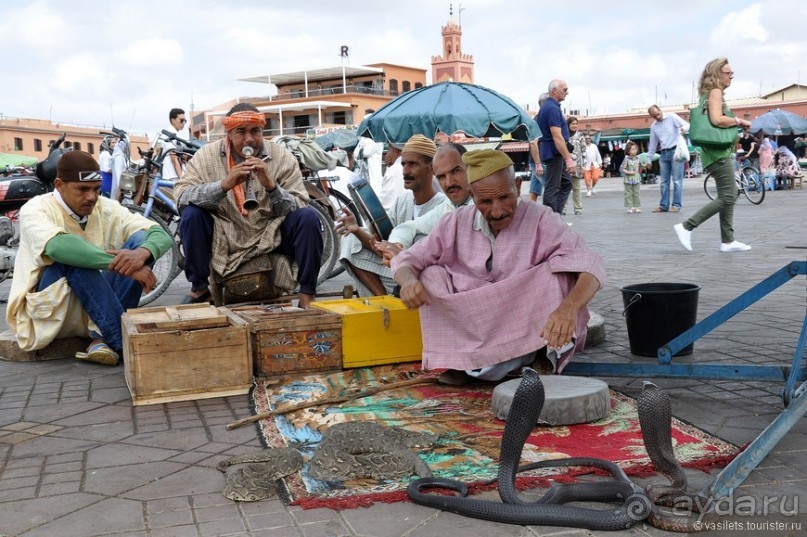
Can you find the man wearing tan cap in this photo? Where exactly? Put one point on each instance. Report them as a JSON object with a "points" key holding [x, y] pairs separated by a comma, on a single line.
{"points": [[499, 280], [358, 256], [83, 260], [451, 174]]}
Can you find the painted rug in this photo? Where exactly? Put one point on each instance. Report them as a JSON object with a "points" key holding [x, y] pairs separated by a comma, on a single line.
{"points": [[469, 434]]}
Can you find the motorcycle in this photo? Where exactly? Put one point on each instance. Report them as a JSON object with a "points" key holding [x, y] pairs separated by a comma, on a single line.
{"points": [[15, 191]]}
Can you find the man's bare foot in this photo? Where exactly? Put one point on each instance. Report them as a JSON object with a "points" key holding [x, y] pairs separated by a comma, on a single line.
{"points": [[305, 301]]}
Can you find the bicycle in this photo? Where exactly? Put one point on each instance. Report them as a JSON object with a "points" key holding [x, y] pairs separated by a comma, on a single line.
{"points": [[330, 201], [133, 183], [748, 182]]}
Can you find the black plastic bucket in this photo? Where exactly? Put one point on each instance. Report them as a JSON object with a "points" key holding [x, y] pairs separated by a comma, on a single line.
{"points": [[657, 313]]}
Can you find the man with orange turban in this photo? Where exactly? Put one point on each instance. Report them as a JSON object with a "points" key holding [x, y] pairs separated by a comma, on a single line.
{"points": [[218, 232]]}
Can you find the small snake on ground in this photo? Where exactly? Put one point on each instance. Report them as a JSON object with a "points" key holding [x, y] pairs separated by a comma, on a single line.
{"points": [[256, 481]]}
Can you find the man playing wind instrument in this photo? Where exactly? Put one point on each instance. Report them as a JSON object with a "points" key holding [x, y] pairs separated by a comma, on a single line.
{"points": [[218, 232]]}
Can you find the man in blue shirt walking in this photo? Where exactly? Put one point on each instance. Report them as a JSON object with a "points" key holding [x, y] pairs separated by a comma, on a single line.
{"points": [[558, 161]]}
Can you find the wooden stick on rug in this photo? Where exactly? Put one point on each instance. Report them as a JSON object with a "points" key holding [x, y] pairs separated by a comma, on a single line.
{"points": [[332, 400]]}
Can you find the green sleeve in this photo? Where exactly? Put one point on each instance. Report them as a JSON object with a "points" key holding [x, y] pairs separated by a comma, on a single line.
{"points": [[157, 241], [74, 251]]}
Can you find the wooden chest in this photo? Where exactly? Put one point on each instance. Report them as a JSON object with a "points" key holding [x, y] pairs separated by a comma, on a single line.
{"points": [[187, 352], [287, 340], [376, 330]]}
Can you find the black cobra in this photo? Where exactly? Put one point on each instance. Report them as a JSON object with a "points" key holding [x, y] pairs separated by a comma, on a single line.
{"points": [[655, 418], [549, 510]]}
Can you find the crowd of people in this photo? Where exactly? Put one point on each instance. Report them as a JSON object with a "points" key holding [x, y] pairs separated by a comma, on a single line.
{"points": [[465, 247]]}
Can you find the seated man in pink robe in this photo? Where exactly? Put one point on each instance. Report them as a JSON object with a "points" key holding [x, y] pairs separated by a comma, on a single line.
{"points": [[499, 280]]}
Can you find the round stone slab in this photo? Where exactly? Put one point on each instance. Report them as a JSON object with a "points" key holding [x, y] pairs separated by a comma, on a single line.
{"points": [[569, 400], [596, 330]]}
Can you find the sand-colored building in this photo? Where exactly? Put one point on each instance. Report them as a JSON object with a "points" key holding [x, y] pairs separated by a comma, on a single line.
{"points": [[315, 101], [32, 137]]}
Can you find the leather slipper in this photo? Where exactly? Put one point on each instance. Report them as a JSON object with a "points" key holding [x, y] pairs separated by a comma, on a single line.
{"points": [[100, 353], [204, 298]]}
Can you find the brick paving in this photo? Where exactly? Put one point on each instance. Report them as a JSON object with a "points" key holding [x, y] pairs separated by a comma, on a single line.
{"points": [[77, 459]]}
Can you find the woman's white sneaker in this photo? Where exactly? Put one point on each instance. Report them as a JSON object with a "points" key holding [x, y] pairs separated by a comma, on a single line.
{"points": [[734, 247], [684, 235]]}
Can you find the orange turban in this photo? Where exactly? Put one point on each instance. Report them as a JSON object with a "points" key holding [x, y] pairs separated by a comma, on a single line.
{"points": [[245, 118]]}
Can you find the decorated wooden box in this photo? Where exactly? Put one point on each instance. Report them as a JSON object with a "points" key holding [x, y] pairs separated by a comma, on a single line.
{"points": [[376, 330], [186, 352], [287, 340]]}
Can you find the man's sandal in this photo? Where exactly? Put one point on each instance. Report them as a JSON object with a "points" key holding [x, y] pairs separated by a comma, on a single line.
{"points": [[100, 353]]}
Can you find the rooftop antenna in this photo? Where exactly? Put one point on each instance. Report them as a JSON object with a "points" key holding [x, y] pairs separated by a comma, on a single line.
{"points": [[459, 15]]}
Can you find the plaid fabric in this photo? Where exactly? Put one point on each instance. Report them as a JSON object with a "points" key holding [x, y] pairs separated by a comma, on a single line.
{"points": [[482, 317], [237, 239], [403, 210]]}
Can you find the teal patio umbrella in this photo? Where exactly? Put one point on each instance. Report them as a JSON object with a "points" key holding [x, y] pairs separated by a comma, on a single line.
{"points": [[779, 122], [449, 107]]}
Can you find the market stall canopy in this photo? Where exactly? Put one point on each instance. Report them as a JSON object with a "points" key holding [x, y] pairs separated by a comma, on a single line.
{"points": [[623, 135], [342, 138], [449, 107], [14, 159], [779, 122]]}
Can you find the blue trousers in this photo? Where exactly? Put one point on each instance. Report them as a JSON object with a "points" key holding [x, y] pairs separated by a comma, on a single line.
{"points": [[670, 169], [557, 184], [104, 295], [300, 238], [536, 182]]}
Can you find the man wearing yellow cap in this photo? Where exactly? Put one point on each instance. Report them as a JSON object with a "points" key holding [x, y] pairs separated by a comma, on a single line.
{"points": [[219, 231], [83, 260], [360, 259], [499, 280]]}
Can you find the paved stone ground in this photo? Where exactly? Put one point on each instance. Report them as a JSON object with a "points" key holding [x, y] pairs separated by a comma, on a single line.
{"points": [[76, 459]]}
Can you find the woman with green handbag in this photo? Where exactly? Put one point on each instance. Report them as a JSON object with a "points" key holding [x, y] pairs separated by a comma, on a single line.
{"points": [[714, 128]]}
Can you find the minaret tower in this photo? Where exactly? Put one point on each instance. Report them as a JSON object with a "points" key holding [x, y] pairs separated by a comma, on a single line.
{"points": [[452, 64]]}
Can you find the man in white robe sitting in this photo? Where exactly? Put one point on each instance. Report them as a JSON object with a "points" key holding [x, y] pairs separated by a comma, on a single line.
{"points": [[361, 261]]}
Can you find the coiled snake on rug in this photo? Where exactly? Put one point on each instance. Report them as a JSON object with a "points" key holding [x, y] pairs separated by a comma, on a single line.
{"points": [[550, 510], [352, 450]]}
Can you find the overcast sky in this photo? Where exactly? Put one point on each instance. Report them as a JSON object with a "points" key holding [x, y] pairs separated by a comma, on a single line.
{"points": [[130, 62]]}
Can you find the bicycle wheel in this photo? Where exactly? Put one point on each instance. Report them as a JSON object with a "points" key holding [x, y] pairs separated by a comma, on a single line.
{"points": [[752, 185], [343, 200], [330, 243], [166, 267], [710, 187]]}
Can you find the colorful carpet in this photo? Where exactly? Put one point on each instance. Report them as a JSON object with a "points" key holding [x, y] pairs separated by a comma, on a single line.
{"points": [[469, 434]]}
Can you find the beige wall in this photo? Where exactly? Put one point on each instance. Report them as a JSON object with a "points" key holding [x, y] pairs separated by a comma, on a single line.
{"points": [[36, 134]]}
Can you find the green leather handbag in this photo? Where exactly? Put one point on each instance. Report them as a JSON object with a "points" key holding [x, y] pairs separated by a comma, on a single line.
{"points": [[703, 133]]}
